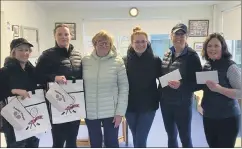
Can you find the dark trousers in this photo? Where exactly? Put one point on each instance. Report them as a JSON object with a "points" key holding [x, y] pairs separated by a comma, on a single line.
{"points": [[95, 133], [65, 133], [8, 131], [140, 124], [177, 118], [221, 133]]}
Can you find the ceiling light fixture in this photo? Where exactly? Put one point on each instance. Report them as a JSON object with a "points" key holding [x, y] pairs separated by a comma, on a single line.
{"points": [[133, 12]]}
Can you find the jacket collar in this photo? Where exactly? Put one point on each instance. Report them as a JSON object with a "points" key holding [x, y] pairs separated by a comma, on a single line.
{"points": [[64, 51], [14, 63], [112, 53], [184, 51], [217, 62], [148, 51]]}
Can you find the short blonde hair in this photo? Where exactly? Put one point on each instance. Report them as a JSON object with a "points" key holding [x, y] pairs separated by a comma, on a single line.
{"points": [[102, 35], [137, 31]]}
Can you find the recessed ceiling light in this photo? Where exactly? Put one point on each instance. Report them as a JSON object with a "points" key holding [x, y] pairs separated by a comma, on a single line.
{"points": [[133, 12]]}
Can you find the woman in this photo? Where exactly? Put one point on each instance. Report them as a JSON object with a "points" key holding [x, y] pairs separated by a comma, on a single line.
{"points": [[143, 68], [17, 77], [106, 91], [176, 100], [221, 111], [59, 64]]}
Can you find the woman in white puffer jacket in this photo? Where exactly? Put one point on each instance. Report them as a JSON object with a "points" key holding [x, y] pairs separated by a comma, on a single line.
{"points": [[106, 91]]}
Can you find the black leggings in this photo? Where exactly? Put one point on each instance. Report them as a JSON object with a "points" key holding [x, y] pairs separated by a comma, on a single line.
{"points": [[221, 133], [8, 130], [66, 132]]}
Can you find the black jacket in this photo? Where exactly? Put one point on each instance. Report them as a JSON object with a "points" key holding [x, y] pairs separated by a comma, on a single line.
{"points": [[58, 61], [12, 76], [188, 64], [142, 73]]}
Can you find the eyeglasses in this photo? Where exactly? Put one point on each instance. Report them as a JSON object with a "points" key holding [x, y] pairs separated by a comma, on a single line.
{"points": [[140, 42], [102, 43]]}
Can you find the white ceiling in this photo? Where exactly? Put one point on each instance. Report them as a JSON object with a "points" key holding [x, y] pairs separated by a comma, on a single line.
{"points": [[120, 4]]}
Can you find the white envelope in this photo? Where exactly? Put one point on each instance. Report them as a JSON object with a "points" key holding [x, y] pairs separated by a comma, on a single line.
{"points": [[16, 114], [203, 77], [58, 97], [75, 111], [174, 75]]}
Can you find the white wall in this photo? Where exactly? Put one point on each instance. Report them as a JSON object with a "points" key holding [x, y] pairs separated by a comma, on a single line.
{"points": [[27, 13], [77, 16], [22, 13], [232, 18], [218, 13]]}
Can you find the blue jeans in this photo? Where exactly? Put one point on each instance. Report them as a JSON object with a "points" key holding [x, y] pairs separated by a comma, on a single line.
{"points": [[140, 124], [95, 133], [177, 118]]}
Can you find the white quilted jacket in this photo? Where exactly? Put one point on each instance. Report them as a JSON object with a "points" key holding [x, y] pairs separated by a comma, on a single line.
{"points": [[106, 85]]}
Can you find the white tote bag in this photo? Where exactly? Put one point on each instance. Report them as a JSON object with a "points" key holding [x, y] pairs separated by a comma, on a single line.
{"points": [[58, 97], [40, 122], [74, 111], [16, 114]]}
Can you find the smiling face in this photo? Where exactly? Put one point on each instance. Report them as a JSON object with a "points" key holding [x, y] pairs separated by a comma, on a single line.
{"points": [[139, 43], [22, 53], [179, 39], [103, 43], [214, 49], [103, 46], [62, 37]]}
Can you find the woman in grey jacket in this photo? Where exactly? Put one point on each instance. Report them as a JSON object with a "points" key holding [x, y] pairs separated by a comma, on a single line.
{"points": [[106, 91]]}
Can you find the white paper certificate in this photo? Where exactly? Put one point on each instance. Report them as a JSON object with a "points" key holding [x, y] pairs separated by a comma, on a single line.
{"points": [[203, 77], [174, 75]]}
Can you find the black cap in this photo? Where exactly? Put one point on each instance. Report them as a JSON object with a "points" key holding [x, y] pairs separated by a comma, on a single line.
{"points": [[17, 42], [178, 27]]}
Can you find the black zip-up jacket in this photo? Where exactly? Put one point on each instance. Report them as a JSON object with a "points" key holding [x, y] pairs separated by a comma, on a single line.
{"points": [[58, 61], [188, 64], [142, 73], [12, 76]]}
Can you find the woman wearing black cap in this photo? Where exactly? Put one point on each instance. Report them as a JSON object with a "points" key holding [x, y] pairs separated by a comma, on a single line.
{"points": [[17, 77], [58, 64], [176, 101]]}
